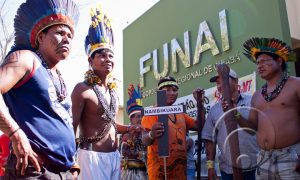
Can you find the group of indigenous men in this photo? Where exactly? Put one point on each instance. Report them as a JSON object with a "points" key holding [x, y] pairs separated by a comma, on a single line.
{"points": [[41, 120]]}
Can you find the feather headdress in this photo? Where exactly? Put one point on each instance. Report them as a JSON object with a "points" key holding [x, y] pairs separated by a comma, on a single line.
{"points": [[134, 104], [256, 46], [34, 16], [100, 35]]}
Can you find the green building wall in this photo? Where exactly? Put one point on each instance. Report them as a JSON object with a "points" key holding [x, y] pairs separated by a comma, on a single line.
{"points": [[170, 19]]}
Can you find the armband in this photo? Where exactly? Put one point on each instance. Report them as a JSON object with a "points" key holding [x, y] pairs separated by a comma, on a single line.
{"points": [[75, 167], [210, 164], [12, 133]]}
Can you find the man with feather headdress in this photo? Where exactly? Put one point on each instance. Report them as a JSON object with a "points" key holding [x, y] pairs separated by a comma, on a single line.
{"points": [[275, 110], [38, 121], [95, 105]]}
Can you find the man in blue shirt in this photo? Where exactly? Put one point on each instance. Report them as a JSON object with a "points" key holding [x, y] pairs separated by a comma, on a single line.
{"points": [[34, 107], [215, 133]]}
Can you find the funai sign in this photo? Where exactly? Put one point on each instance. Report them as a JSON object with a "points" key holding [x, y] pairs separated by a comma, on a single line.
{"points": [[185, 55], [185, 39]]}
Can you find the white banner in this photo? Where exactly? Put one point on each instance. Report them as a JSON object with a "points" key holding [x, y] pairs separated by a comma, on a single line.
{"points": [[152, 111], [247, 85]]}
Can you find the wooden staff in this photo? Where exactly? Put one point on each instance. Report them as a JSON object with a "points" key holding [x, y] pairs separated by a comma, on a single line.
{"points": [[163, 141], [200, 119], [231, 125]]}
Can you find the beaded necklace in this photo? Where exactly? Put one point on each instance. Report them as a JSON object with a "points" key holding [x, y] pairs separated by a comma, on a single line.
{"points": [[109, 113], [272, 95], [60, 92]]}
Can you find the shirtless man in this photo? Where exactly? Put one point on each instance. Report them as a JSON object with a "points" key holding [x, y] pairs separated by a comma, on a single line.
{"points": [[95, 105], [275, 110]]}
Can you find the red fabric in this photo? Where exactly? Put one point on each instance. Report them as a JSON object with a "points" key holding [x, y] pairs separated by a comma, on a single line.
{"points": [[4, 152]]}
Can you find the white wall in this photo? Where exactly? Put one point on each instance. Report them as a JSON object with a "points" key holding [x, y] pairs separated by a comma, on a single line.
{"points": [[293, 9]]}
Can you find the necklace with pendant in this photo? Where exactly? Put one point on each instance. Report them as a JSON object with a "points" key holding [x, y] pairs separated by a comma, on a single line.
{"points": [[272, 95], [60, 92]]}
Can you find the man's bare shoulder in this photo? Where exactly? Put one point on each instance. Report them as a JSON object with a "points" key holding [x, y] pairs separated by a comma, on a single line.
{"points": [[15, 68], [22, 57], [256, 93], [294, 83], [255, 97], [81, 88], [294, 80], [81, 93]]}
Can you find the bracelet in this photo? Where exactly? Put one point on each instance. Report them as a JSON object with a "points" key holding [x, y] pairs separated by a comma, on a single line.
{"points": [[210, 164], [75, 167], [150, 135], [237, 115], [12, 133], [127, 129]]}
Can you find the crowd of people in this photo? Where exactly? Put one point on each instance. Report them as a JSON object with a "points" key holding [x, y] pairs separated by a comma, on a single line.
{"points": [[39, 119]]}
